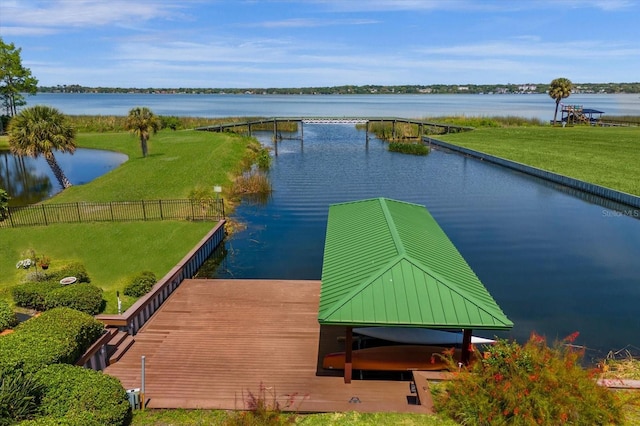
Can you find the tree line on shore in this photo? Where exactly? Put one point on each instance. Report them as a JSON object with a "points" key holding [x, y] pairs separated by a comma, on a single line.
{"points": [[357, 90]]}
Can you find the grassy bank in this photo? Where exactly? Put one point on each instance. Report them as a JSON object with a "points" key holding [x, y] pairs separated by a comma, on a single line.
{"points": [[606, 156], [113, 252]]}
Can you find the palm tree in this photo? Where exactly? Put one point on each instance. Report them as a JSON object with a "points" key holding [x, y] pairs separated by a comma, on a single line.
{"points": [[39, 130], [559, 89], [142, 122]]}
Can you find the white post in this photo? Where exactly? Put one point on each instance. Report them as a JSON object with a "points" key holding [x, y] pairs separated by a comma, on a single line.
{"points": [[142, 401]]}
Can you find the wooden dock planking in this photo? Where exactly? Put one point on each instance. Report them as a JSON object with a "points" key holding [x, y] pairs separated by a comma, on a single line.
{"points": [[213, 341]]}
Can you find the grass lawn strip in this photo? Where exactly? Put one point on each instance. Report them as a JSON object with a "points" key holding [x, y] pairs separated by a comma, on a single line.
{"points": [[113, 252], [606, 156]]}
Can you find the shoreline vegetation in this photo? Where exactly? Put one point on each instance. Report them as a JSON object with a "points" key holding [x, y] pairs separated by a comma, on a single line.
{"points": [[509, 88], [182, 160]]}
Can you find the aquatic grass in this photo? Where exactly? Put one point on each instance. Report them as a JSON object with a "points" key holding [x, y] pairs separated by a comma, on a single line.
{"points": [[409, 148], [606, 156]]}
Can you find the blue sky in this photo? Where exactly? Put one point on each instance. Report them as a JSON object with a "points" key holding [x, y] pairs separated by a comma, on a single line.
{"points": [[262, 43]]}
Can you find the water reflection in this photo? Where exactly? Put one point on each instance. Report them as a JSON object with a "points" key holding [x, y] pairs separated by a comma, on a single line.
{"points": [[29, 180]]}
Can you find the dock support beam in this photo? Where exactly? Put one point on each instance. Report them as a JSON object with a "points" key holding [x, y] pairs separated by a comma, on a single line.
{"points": [[348, 364], [466, 346]]}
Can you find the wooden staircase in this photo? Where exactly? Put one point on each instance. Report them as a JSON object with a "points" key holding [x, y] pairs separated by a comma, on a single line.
{"points": [[118, 345]]}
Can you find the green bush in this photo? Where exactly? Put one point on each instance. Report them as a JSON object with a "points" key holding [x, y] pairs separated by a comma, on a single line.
{"points": [[60, 335], [42, 296], [7, 317], [78, 396], [19, 397], [84, 297], [140, 284], [75, 269], [409, 148], [33, 295], [526, 385]]}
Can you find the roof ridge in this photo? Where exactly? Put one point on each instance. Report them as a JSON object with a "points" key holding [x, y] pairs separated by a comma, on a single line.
{"points": [[393, 229]]}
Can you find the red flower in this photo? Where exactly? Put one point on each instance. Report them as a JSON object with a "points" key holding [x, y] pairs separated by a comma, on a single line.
{"points": [[572, 337]]}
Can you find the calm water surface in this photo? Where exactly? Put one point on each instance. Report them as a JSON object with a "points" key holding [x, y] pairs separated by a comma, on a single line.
{"points": [[539, 106], [29, 180], [555, 263]]}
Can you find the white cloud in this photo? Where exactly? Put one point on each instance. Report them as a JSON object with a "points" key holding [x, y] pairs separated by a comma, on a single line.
{"points": [[61, 14]]}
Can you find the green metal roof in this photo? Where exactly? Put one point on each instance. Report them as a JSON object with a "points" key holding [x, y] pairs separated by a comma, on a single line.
{"points": [[388, 263]]}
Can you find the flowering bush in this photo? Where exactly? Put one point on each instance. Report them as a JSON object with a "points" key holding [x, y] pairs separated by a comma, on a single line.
{"points": [[528, 385], [24, 264]]}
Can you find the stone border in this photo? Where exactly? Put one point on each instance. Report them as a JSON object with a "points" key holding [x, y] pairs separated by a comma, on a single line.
{"points": [[590, 188]]}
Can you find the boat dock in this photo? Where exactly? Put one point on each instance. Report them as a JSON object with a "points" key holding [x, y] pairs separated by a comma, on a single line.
{"points": [[214, 341]]}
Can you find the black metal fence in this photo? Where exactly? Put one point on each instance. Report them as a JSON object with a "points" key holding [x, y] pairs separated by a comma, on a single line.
{"points": [[115, 211]]}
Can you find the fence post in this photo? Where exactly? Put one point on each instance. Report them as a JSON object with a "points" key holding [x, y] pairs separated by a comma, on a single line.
{"points": [[160, 204], [111, 209], [44, 214], [11, 218], [78, 210], [144, 211]]}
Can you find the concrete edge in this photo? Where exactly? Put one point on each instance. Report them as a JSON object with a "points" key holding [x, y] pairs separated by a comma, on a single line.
{"points": [[590, 188]]}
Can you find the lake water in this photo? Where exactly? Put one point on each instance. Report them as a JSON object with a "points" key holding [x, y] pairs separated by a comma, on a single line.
{"points": [[539, 106], [30, 180], [555, 262]]}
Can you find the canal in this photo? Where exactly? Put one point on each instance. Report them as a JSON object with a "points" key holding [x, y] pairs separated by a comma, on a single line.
{"points": [[555, 262]]}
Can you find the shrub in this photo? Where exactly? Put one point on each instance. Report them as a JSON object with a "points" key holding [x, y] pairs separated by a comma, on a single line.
{"points": [[32, 295], [75, 269], [60, 335], [19, 397], [530, 384], [140, 284], [409, 148], [7, 317], [85, 298], [78, 396]]}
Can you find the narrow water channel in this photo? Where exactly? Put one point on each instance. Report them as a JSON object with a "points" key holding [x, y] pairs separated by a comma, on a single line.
{"points": [[556, 263]]}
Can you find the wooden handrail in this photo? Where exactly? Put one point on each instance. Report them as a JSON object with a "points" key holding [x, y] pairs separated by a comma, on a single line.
{"points": [[134, 318]]}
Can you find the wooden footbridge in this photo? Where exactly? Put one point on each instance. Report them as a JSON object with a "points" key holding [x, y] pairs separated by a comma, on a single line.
{"points": [[272, 123]]}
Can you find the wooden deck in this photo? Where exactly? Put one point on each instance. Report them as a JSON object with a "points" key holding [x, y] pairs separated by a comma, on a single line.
{"points": [[213, 341]]}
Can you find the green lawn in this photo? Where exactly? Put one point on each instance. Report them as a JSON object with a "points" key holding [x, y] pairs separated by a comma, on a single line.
{"points": [[216, 417], [113, 252], [606, 156]]}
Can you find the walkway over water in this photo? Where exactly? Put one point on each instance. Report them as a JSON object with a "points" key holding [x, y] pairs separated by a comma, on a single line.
{"points": [[442, 128]]}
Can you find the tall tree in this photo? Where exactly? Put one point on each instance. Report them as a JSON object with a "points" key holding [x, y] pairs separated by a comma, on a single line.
{"points": [[15, 80], [141, 121], [40, 130], [559, 89]]}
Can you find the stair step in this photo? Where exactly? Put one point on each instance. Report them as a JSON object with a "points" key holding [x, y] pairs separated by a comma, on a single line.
{"points": [[121, 349], [118, 338]]}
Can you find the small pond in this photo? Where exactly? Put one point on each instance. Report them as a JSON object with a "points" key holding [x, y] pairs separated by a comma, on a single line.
{"points": [[30, 180]]}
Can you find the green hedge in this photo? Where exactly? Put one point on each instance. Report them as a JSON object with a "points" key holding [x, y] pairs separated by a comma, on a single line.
{"points": [[85, 298], [78, 396], [140, 284], [71, 270], [60, 335], [43, 296], [8, 318], [33, 295]]}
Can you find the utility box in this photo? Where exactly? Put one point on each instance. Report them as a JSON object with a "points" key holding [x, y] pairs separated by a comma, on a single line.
{"points": [[134, 398]]}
